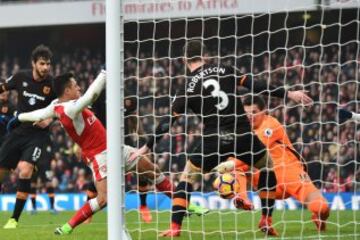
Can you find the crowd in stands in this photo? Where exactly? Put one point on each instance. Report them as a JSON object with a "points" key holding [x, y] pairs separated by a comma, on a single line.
{"points": [[330, 74]]}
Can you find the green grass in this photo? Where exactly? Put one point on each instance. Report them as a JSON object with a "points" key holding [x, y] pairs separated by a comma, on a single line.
{"points": [[234, 225]]}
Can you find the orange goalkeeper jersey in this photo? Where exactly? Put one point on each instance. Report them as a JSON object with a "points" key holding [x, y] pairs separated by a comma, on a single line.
{"points": [[273, 135]]}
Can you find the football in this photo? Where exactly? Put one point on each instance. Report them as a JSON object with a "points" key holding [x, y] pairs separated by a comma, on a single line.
{"points": [[226, 184]]}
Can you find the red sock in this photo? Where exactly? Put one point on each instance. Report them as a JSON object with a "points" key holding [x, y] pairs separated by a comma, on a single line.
{"points": [[84, 213], [166, 187]]}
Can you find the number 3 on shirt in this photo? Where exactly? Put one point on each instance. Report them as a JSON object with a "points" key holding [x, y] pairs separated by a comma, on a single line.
{"points": [[217, 93]]}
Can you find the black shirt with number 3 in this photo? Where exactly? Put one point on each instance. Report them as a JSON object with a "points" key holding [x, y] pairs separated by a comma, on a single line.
{"points": [[210, 92]]}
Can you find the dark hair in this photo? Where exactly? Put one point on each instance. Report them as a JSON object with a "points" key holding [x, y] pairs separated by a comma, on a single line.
{"points": [[61, 82], [257, 100], [41, 51], [194, 50]]}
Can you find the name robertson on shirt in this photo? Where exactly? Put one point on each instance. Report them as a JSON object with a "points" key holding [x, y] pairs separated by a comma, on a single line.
{"points": [[194, 80]]}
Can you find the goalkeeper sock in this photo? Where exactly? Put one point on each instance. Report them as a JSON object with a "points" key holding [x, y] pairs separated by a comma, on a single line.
{"points": [[21, 197], [89, 208], [164, 185], [267, 188], [181, 201]]}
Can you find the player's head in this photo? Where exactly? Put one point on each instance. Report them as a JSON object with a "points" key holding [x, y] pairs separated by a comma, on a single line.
{"points": [[194, 51], [65, 86], [255, 110], [40, 60]]}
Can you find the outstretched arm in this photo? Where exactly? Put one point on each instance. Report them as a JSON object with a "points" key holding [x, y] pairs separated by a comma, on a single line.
{"points": [[38, 115], [345, 115], [90, 96], [261, 86]]}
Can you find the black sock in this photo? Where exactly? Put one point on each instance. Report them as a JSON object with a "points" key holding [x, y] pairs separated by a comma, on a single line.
{"points": [[33, 197], [142, 184], [143, 196], [23, 190], [267, 188], [50, 191], [33, 201], [181, 201]]}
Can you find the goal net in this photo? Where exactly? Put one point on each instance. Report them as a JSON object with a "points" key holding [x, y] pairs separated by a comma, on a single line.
{"points": [[310, 45]]}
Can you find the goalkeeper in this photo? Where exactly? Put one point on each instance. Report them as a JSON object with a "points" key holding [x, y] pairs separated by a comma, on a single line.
{"points": [[290, 170]]}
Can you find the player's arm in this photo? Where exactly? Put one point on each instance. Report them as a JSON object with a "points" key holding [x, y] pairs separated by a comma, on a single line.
{"points": [[345, 115], [38, 115], [260, 86], [90, 96]]}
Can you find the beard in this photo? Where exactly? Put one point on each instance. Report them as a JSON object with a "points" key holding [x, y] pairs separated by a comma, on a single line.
{"points": [[41, 74]]}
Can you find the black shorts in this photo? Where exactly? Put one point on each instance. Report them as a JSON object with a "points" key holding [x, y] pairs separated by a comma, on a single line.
{"points": [[25, 147], [211, 150]]}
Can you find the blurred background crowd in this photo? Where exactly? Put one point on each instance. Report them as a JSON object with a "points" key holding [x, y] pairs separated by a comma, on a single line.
{"points": [[329, 74]]}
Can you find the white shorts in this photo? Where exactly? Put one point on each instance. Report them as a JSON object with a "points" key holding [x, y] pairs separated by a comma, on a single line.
{"points": [[98, 163]]}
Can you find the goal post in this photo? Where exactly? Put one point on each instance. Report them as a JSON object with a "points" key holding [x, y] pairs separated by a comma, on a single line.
{"points": [[115, 121]]}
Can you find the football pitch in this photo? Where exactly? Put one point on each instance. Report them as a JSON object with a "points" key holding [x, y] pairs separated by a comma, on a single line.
{"points": [[222, 225]]}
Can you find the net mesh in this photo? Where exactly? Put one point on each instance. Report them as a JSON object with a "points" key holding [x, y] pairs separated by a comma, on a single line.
{"points": [[315, 49]]}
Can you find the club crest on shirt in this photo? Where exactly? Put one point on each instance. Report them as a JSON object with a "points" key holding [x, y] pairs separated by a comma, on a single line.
{"points": [[268, 132], [46, 90]]}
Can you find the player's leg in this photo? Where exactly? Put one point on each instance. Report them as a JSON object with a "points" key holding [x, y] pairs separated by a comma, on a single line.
{"points": [[91, 193], [181, 199], [23, 191], [253, 152], [300, 186], [143, 188], [162, 183], [319, 207], [33, 193], [150, 171], [51, 194], [267, 193], [98, 167], [87, 210], [31, 149], [241, 200]]}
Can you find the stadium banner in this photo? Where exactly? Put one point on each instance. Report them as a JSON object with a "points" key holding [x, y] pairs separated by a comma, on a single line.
{"points": [[335, 4], [93, 11], [70, 202]]}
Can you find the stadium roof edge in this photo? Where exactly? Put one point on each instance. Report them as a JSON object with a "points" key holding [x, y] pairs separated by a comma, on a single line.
{"points": [[93, 11]]}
